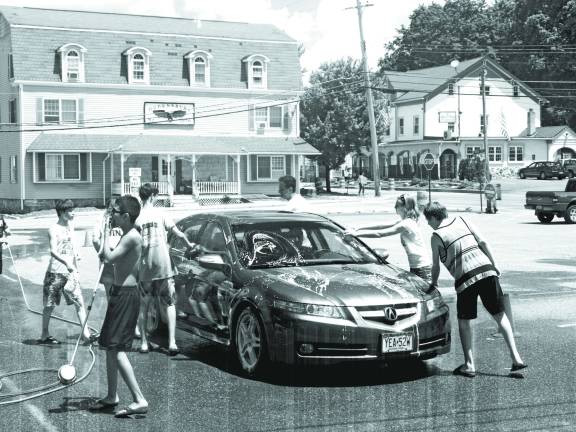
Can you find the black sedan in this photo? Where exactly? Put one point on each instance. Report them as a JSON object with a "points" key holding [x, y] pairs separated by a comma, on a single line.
{"points": [[542, 170], [289, 287]]}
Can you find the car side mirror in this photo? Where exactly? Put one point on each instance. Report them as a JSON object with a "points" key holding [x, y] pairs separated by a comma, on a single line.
{"points": [[382, 253], [213, 262]]}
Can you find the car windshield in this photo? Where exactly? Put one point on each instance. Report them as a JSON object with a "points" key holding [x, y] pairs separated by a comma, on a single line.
{"points": [[291, 243]]}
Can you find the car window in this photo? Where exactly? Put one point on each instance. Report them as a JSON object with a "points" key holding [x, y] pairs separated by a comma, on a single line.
{"points": [[191, 232], [213, 238], [285, 243]]}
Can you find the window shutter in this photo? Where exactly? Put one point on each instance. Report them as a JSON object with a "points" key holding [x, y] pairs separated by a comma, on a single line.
{"points": [[41, 166], [154, 168], [288, 113], [84, 166], [288, 165], [253, 167], [39, 111], [80, 112], [251, 117]]}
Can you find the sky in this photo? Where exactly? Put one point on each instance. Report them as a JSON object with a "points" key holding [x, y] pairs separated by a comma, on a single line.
{"points": [[326, 28]]}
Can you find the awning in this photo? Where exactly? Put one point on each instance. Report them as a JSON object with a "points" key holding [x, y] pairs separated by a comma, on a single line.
{"points": [[173, 144]]}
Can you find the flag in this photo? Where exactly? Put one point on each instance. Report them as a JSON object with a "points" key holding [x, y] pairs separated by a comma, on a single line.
{"points": [[503, 126]]}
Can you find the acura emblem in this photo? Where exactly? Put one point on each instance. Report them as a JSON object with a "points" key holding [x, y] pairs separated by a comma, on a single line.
{"points": [[390, 314]]}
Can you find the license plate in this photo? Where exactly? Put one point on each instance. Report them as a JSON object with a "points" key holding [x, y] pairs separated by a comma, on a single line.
{"points": [[398, 343]]}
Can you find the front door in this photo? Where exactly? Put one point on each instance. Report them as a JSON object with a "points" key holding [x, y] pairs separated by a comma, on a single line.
{"points": [[167, 171]]}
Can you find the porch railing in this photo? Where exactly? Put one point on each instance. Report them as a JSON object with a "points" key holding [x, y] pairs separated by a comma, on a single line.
{"points": [[215, 188], [164, 188]]}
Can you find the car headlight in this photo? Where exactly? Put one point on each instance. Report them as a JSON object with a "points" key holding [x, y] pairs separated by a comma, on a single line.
{"points": [[309, 309], [434, 303]]}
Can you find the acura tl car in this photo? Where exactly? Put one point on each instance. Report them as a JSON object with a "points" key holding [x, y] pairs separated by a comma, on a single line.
{"points": [[292, 288]]}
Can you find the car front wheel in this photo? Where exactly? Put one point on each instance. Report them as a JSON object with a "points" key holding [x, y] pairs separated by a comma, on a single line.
{"points": [[250, 341], [570, 216], [545, 217], [522, 175]]}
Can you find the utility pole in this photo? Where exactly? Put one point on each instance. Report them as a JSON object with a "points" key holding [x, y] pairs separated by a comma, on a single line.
{"points": [[373, 138], [485, 124]]}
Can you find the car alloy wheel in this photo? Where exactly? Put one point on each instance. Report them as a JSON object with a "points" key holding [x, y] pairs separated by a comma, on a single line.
{"points": [[542, 175], [250, 341], [545, 217], [570, 216]]}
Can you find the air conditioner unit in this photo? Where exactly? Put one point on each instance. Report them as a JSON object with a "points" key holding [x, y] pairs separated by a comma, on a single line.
{"points": [[447, 134], [260, 127]]}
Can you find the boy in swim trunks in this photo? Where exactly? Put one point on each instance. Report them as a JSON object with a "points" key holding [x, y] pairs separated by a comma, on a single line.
{"points": [[117, 332], [62, 275]]}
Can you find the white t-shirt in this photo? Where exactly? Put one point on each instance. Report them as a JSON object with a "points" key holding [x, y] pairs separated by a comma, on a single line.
{"points": [[154, 227], [297, 204], [411, 238]]}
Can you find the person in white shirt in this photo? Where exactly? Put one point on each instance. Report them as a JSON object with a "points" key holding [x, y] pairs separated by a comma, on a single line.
{"points": [[287, 191], [362, 180], [410, 236]]}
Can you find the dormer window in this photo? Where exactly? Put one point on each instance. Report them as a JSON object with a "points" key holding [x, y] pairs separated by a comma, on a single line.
{"points": [[257, 71], [72, 62], [138, 60], [199, 67]]}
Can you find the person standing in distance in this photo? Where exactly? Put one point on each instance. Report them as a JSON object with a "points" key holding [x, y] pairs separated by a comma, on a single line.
{"points": [[4, 232], [287, 191], [466, 255], [156, 269], [362, 180]]}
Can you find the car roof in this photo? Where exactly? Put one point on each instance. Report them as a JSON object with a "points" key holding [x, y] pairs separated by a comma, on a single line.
{"points": [[251, 216]]}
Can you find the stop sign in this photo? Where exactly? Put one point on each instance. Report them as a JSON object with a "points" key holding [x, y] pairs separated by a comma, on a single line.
{"points": [[429, 161], [490, 191]]}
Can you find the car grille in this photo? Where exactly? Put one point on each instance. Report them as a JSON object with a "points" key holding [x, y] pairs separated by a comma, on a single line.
{"points": [[376, 313]]}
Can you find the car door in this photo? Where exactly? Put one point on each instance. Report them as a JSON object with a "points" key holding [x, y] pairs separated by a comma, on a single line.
{"points": [[532, 169], [213, 289], [184, 263]]}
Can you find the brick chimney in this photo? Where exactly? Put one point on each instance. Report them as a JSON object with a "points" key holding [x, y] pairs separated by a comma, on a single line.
{"points": [[531, 126]]}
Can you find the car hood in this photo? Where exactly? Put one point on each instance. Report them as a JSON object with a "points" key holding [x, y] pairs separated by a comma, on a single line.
{"points": [[344, 284]]}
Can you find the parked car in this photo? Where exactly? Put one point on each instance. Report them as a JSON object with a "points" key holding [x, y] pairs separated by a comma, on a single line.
{"points": [[546, 205], [569, 166], [288, 287], [542, 170]]}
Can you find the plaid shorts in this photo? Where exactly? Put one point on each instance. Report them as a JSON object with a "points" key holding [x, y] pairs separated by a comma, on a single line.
{"points": [[163, 288], [56, 284]]}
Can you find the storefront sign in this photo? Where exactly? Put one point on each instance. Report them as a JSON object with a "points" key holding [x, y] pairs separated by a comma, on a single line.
{"points": [[447, 116], [166, 113]]}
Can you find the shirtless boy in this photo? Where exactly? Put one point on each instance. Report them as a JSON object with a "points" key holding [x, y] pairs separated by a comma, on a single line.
{"points": [[123, 307]]}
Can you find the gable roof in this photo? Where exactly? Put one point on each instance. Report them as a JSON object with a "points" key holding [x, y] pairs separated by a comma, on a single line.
{"points": [[547, 132], [432, 81], [116, 22]]}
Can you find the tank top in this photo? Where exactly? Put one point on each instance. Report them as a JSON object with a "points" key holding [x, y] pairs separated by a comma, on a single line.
{"points": [[411, 239], [155, 259], [462, 255], [64, 247]]}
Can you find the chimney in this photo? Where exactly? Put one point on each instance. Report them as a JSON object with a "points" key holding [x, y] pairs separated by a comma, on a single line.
{"points": [[531, 129]]}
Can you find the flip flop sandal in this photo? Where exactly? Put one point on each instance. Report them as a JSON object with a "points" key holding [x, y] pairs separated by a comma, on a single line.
{"points": [[516, 368], [100, 405], [50, 340], [463, 372], [127, 412]]}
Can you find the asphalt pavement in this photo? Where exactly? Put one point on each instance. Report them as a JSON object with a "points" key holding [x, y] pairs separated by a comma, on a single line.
{"points": [[202, 389]]}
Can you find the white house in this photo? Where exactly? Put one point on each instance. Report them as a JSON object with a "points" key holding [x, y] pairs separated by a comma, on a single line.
{"points": [[439, 110], [93, 103]]}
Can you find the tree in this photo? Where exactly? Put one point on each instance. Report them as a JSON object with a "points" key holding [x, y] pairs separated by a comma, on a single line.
{"points": [[334, 116]]}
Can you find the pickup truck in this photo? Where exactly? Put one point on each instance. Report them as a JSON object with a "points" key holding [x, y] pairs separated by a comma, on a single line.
{"points": [[546, 204]]}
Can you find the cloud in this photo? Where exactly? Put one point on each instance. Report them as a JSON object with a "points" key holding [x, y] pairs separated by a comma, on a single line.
{"points": [[328, 33]]}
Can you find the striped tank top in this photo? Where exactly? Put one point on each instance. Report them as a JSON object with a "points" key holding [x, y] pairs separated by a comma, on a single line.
{"points": [[462, 255]]}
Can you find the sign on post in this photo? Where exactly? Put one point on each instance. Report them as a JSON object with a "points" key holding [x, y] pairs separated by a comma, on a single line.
{"points": [[134, 172], [429, 161], [490, 191]]}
